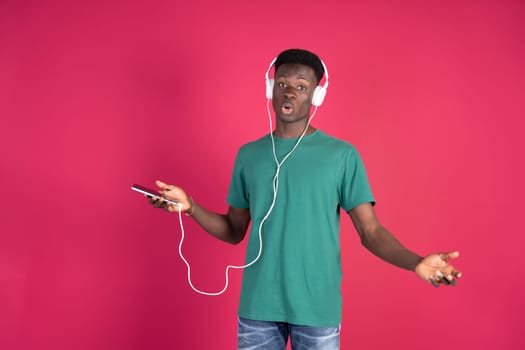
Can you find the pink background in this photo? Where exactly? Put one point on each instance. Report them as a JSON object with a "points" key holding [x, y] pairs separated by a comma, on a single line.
{"points": [[96, 96]]}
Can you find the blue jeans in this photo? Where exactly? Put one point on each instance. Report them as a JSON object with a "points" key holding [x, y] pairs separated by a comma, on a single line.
{"points": [[265, 335]]}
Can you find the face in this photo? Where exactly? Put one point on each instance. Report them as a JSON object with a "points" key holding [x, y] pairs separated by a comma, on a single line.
{"points": [[292, 92]]}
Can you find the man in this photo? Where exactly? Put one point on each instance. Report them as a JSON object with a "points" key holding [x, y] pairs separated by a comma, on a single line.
{"points": [[294, 195]]}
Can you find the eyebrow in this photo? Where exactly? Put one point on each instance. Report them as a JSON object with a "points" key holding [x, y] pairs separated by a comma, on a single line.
{"points": [[301, 77]]}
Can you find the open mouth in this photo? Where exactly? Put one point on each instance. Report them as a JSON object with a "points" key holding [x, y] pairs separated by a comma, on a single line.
{"points": [[287, 108]]}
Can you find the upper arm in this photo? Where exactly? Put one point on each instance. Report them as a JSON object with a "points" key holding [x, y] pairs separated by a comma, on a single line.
{"points": [[364, 219], [239, 219]]}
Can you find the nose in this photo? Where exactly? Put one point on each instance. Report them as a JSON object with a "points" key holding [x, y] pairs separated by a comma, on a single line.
{"points": [[290, 92]]}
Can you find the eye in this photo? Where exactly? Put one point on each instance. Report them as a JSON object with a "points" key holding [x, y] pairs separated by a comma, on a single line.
{"points": [[282, 85], [301, 87]]}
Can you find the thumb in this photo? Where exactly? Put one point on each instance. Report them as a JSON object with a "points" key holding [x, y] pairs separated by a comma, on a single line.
{"points": [[162, 185], [450, 255]]}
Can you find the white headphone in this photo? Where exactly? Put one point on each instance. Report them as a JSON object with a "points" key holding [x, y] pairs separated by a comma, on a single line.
{"points": [[319, 92]]}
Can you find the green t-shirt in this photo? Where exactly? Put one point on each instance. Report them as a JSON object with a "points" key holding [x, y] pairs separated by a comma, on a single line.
{"points": [[297, 279]]}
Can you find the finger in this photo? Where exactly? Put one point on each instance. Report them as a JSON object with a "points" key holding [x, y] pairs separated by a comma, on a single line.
{"points": [[171, 207], [441, 278], [451, 280], [451, 272], [160, 184], [449, 255], [165, 205], [164, 186], [433, 281]]}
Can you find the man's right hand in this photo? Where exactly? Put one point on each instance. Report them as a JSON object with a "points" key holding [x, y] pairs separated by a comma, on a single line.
{"points": [[175, 194], [230, 227]]}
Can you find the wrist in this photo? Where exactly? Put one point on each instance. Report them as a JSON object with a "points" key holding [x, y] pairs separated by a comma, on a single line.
{"points": [[191, 209], [418, 261]]}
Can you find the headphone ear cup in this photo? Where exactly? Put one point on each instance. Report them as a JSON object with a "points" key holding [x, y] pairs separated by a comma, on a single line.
{"points": [[318, 97], [269, 88]]}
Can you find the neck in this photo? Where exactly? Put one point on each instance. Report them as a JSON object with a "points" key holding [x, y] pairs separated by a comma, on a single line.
{"points": [[292, 131]]}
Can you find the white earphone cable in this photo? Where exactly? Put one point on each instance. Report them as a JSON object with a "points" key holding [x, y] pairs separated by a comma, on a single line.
{"points": [[270, 209]]}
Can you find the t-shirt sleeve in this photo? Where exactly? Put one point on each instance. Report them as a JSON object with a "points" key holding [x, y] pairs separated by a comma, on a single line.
{"points": [[237, 194], [355, 188]]}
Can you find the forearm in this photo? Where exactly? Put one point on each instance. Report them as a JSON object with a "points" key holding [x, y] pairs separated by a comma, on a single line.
{"points": [[218, 225], [385, 246]]}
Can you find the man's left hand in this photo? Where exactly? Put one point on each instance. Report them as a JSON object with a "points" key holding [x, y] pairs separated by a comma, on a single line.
{"points": [[436, 270]]}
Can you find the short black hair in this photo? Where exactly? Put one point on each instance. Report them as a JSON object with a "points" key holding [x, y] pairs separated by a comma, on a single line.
{"points": [[302, 57]]}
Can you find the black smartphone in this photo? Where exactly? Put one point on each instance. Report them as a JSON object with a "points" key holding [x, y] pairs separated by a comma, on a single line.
{"points": [[151, 193]]}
